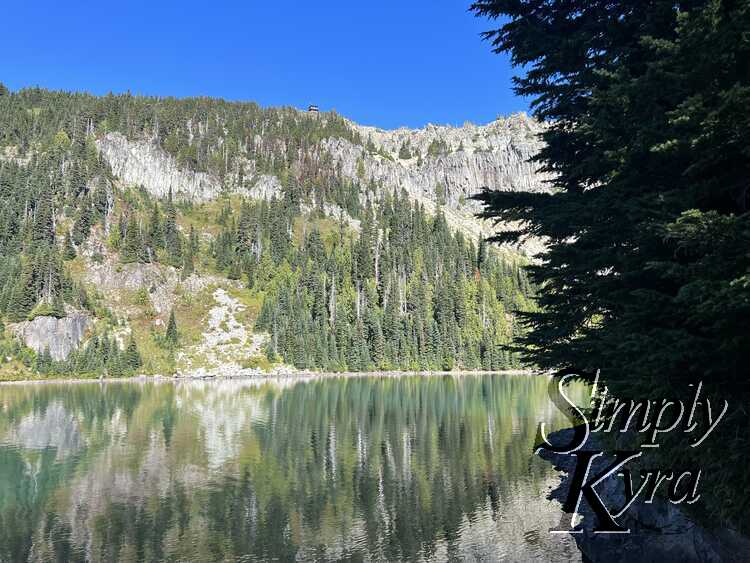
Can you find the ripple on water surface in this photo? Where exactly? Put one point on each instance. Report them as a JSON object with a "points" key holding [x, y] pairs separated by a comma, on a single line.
{"points": [[364, 468]]}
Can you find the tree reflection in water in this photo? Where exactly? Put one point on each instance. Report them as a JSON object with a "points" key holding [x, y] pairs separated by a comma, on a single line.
{"points": [[329, 468]]}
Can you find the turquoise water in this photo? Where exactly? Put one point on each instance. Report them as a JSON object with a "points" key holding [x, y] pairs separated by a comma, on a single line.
{"points": [[323, 469]]}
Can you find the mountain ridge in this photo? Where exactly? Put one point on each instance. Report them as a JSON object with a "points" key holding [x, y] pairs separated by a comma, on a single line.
{"points": [[446, 166], [320, 242]]}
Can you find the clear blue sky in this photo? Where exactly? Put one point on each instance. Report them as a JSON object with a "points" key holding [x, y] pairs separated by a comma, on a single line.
{"points": [[384, 63]]}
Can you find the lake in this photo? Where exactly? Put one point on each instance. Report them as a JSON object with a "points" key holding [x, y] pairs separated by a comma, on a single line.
{"points": [[409, 468]]}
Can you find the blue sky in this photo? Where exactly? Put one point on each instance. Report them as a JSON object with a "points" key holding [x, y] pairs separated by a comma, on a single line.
{"points": [[385, 63]]}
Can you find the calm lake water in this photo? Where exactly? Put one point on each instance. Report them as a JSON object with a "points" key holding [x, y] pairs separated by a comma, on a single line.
{"points": [[324, 469]]}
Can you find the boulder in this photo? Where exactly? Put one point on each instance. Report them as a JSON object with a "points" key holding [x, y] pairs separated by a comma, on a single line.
{"points": [[660, 532]]}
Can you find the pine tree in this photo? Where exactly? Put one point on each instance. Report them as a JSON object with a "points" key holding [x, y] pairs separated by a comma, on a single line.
{"points": [[82, 225], [44, 223], [100, 202], [44, 361], [404, 153], [172, 240], [69, 252], [23, 296], [131, 357], [156, 229], [481, 253], [188, 266], [171, 336], [132, 248]]}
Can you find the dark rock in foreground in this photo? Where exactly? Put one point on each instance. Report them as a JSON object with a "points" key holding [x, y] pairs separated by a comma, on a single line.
{"points": [[659, 532]]}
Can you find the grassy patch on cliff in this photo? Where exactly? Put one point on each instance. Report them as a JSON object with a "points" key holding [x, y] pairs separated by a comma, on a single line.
{"points": [[191, 313]]}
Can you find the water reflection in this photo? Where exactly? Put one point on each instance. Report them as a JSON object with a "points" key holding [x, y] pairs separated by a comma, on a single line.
{"points": [[419, 469]]}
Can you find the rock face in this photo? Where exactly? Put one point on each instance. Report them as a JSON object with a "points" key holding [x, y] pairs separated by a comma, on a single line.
{"points": [[60, 336], [660, 532], [144, 163], [471, 157], [447, 166], [118, 280]]}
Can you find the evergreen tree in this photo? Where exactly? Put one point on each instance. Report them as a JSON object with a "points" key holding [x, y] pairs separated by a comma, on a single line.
{"points": [[172, 240], [188, 266], [404, 153], [23, 296], [646, 272], [100, 202], [132, 248], [44, 222], [82, 225], [156, 228], [69, 252], [171, 336], [131, 357], [481, 253]]}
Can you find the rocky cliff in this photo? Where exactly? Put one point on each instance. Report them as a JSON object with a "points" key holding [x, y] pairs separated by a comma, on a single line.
{"points": [[143, 163], [450, 163], [59, 336], [446, 166]]}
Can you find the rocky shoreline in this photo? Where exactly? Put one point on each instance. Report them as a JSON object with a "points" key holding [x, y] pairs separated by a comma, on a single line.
{"points": [[279, 372], [660, 532]]}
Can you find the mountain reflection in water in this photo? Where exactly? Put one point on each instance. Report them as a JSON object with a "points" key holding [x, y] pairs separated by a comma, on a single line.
{"points": [[329, 468]]}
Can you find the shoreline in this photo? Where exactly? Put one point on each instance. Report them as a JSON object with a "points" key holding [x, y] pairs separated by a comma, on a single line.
{"points": [[260, 375]]}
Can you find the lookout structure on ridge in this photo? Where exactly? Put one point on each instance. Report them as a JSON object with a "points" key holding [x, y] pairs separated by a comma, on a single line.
{"points": [[312, 108]]}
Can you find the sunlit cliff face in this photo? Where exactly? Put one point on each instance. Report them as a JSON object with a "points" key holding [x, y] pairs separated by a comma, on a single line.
{"points": [[410, 468]]}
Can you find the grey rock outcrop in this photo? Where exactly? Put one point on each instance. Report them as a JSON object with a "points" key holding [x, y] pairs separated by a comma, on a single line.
{"points": [[494, 155], [61, 336], [266, 187], [144, 163], [448, 165]]}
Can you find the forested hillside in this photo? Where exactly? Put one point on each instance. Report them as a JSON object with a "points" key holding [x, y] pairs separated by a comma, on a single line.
{"points": [[340, 273]]}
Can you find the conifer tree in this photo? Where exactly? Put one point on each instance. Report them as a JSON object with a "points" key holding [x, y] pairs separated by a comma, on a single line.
{"points": [[404, 153], [172, 240], [69, 252], [132, 248], [44, 224], [82, 225], [647, 224], [156, 228], [171, 336], [131, 357]]}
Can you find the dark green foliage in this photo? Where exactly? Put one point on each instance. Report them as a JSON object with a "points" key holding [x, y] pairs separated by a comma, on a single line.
{"points": [[44, 226], [69, 252], [648, 274], [172, 239], [404, 153], [437, 147], [100, 355], [171, 336], [132, 248], [131, 357], [404, 294], [156, 228], [82, 225], [42, 187]]}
